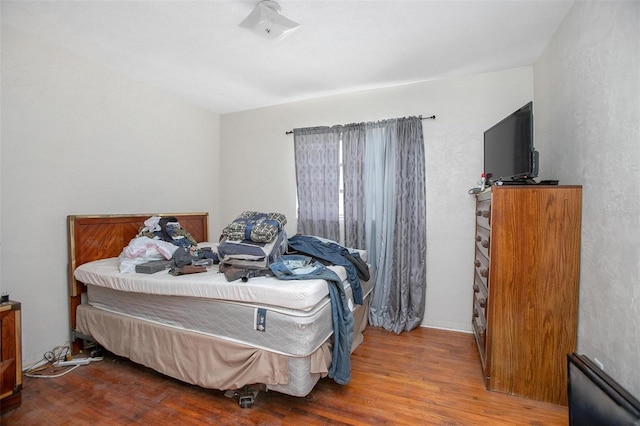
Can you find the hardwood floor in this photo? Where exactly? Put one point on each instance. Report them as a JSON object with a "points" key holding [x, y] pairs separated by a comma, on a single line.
{"points": [[426, 376]]}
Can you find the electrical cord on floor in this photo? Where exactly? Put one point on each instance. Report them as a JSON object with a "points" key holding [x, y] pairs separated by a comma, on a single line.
{"points": [[49, 357], [53, 376], [54, 360]]}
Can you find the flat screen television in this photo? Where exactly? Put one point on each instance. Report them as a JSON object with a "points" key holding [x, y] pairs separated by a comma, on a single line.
{"points": [[595, 398], [509, 153]]}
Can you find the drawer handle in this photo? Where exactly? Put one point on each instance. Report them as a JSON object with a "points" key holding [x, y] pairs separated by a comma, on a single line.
{"points": [[477, 263], [482, 303], [484, 273], [478, 238], [485, 243], [483, 213], [475, 313], [476, 288]]}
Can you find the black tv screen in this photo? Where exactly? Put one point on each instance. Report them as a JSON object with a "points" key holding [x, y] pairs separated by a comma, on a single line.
{"points": [[509, 154], [595, 399]]}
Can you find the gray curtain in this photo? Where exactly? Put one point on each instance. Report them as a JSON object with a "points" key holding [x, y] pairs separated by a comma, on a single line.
{"points": [[384, 206], [353, 178], [395, 221], [317, 156], [406, 302]]}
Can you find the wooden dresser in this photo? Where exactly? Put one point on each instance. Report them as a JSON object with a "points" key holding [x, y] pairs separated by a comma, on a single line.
{"points": [[10, 356], [525, 304]]}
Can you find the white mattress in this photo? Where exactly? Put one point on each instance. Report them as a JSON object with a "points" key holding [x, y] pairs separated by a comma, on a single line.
{"points": [[277, 329], [292, 294], [290, 317]]}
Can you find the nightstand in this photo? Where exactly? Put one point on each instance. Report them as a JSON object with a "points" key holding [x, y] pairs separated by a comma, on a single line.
{"points": [[10, 355]]}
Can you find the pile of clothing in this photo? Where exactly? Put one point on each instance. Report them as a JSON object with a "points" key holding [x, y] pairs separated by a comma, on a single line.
{"points": [[161, 243], [251, 243]]}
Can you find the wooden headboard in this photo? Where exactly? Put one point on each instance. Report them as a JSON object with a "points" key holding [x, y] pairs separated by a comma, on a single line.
{"points": [[94, 237]]}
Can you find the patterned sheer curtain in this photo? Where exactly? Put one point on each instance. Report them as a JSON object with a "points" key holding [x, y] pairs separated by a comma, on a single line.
{"points": [[404, 308], [353, 178], [393, 197], [317, 156]]}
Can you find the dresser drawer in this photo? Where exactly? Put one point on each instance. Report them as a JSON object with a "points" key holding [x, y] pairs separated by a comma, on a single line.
{"points": [[481, 264], [480, 331], [480, 295], [483, 214], [480, 304], [483, 241]]}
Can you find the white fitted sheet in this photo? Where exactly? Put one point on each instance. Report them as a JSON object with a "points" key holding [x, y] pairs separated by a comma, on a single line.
{"points": [[292, 294]]}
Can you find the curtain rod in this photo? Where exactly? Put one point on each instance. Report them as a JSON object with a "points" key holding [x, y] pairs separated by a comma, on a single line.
{"points": [[433, 117]]}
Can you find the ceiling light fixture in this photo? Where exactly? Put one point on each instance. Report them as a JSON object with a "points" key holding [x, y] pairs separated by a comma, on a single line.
{"points": [[266, 20]]}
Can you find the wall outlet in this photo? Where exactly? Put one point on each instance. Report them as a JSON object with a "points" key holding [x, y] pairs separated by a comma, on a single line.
{"points": [[598, 363]]}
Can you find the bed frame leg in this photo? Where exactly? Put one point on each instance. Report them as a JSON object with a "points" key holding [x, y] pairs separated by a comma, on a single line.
{"points": [[246, 396]]}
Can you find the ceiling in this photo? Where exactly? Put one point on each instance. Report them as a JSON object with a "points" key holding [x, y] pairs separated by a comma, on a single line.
{"points": [[196, 49]]}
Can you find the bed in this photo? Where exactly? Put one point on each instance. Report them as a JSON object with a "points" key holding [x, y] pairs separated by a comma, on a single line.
{"points": [[236, 336]]}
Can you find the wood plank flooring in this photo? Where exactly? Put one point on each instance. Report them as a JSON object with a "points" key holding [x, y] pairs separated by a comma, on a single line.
{"points": [[426, 376]]}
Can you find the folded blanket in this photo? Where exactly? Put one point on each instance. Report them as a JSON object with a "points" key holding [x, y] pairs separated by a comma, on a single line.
{"points": [[255, 226]]}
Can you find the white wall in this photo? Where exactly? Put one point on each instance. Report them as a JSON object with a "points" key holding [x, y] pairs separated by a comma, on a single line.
{"points": [[259, 173], [80, 139], [587, 100]]}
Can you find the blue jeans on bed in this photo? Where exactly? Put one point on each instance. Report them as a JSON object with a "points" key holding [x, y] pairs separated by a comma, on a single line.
{"points": [[296, 267], [331, 252]]}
